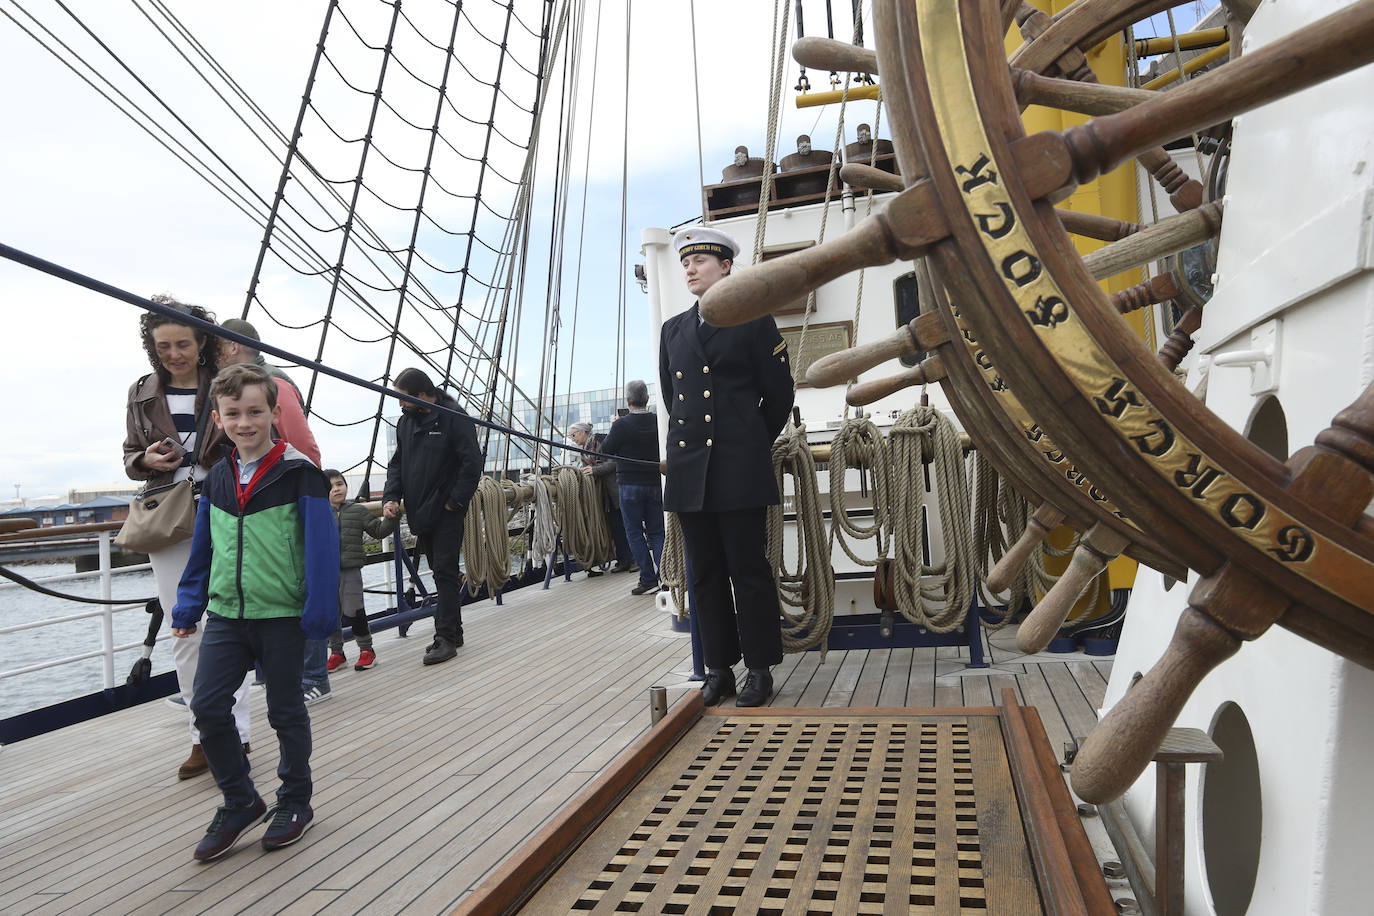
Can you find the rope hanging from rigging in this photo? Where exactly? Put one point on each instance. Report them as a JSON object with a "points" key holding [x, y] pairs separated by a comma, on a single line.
{"points": [[811, 585], [1000, 515], [486, 541], [860, 445], [581, 519], [924, 435], [672, 575]]}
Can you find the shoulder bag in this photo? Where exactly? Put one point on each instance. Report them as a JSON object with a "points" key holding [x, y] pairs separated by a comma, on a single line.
{"points": [[162, 516]]}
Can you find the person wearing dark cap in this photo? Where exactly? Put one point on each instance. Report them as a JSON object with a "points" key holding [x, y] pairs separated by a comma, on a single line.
{"points": [[292, 426], [728, 393]]}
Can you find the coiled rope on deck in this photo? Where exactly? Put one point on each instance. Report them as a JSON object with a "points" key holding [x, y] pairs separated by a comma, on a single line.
{"points": [[860, 444], [581, 518], [486, 542], [543, 533], [924, 435], [1000, 515], [811, 587]]}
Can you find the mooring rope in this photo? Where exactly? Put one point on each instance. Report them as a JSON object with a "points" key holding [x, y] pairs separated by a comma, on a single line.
{"points": [[811, 587]]}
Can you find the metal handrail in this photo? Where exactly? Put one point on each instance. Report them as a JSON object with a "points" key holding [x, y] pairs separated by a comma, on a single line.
{"points": [[72, 577], [106, 612]]}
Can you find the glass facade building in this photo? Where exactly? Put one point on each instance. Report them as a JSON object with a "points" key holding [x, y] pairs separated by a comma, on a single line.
{"points": [[596, 407]]}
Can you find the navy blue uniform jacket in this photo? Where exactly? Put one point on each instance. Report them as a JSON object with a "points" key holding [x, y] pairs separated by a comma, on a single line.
{"points": [[728, 392]]}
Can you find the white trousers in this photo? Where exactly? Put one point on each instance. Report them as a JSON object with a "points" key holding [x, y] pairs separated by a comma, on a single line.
{"points": [[168, 565]]}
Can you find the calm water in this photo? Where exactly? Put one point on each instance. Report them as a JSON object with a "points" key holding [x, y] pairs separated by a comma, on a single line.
{"points": [[24, 692]]}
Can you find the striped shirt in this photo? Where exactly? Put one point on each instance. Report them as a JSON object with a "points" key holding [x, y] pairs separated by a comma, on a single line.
{"points": [[181, 404]]}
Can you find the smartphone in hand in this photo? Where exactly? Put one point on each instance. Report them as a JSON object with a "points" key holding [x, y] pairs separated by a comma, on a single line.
{"points": [[172, 448]]}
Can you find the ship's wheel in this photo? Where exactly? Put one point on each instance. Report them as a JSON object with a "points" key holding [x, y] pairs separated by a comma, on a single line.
{"points": [[1274, 542]]}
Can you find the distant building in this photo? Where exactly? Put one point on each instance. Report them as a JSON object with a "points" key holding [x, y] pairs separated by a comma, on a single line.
{"points": [[99, 509], [125, 490], [597, 407]]}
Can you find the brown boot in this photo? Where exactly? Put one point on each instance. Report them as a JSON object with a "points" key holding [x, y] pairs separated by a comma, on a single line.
{"points": [[194, 765]]}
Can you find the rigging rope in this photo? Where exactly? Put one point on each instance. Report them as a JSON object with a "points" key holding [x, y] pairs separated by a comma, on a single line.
{"points": [[543, 534], [581, 518], [811, 585], [999, 518], [924, 435], [672, 573], [486, 538], [777, 38], [859, 444]]}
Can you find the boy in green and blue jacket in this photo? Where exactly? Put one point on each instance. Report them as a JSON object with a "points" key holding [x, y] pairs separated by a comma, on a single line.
{"points": [[265, 564]]}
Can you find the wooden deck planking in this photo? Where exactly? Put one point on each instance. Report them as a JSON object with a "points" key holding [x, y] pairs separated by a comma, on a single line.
{"points": [[425, 777]]}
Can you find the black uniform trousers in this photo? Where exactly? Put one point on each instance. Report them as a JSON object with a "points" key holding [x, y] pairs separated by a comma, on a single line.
{"points": [[728, 548]]}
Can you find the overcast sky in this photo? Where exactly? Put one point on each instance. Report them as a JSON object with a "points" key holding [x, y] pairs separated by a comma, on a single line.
{"points": [[85, 187]]}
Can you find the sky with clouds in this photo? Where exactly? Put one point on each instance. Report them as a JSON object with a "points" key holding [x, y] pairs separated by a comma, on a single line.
{"points": [[87, 188]]}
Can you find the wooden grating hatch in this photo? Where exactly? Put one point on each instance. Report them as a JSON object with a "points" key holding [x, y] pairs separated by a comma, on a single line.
{"points": [[810, 812]]}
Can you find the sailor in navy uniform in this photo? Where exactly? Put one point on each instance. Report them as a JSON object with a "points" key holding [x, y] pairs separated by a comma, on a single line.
{"points": [[728, 391]]}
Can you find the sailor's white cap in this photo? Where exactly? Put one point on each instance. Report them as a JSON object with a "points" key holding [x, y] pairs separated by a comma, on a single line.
{"points": [[700, 239]]}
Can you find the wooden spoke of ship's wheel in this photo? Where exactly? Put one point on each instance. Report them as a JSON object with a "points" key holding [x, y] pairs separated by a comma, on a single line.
{"points": [[996, 421], [1274, 542]]}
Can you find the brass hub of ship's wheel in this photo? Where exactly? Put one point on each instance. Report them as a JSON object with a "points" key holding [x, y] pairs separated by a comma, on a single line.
{"points": [[1275, 542]]}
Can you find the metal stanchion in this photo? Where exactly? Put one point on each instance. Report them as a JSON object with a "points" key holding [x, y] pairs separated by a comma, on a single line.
{"points": [[658, 703]]}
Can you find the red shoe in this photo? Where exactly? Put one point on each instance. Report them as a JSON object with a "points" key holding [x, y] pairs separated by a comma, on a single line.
{"points": [[366, 659], [336, 661]]}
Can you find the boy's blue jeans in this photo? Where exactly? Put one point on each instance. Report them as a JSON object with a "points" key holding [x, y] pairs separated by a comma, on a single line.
{"points": [[228, 651]]}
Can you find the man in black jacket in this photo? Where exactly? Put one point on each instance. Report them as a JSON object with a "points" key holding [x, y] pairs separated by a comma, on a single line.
{"points": [[728, 393], [435, 470]]}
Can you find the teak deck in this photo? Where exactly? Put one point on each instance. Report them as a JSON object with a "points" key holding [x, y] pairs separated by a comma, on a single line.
{"points": [[427, 778]]}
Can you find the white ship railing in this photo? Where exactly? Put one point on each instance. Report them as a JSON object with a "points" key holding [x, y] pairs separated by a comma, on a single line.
{"points": [[103, 533]]}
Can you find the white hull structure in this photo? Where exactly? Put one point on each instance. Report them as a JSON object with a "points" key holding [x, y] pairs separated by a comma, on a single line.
{"points": [[1283, 827]]}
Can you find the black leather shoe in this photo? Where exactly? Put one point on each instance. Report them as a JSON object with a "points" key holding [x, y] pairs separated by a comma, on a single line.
{"points": [[719, 684], [757, 689], [624, 567], [441, 650]]}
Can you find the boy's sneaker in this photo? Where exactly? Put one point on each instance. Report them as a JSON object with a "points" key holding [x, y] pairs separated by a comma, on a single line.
{"points": [[317, 694], [226, 828], [336, 661], [288, 825], [366, 659]]}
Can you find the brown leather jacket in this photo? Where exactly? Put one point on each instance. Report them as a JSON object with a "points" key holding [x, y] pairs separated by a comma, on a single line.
{"points": [[148, 420]]}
